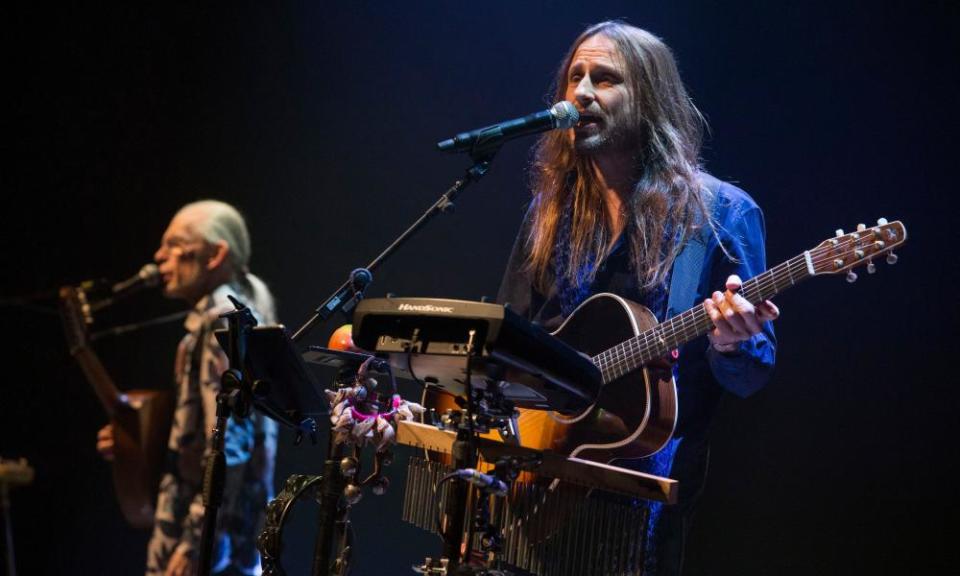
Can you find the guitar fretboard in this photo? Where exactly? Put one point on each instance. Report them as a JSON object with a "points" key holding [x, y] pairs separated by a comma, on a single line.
{"points": [[658, 341]]}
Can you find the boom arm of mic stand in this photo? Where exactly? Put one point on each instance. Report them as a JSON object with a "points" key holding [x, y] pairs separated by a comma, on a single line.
{"points": [[343, 300], [347, 295]]}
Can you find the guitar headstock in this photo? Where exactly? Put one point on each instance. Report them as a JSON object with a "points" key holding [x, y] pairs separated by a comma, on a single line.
{"points": [[77, 317], [854, 249]]}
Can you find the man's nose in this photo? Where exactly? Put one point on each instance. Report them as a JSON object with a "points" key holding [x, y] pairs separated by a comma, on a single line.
{"points": [[584, 92]]}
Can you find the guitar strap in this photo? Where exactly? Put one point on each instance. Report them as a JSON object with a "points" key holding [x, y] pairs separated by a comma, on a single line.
{"points": [[689, 263]]}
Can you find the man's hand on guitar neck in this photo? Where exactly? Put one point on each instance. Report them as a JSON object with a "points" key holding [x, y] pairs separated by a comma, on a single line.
{"points": [[734, 318], [105, 442]]}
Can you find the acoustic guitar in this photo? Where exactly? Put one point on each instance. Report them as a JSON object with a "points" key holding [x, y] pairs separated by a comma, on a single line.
{"points": [[635, 413], [141, 418]]}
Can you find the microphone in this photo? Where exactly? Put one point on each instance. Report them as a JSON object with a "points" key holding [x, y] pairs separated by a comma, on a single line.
{"points": [[148, 276], [495, 485], [561, 115]]}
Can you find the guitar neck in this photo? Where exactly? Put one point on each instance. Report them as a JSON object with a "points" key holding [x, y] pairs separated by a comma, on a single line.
{"points": [[103, 385], [658, 341], [75, 312]]}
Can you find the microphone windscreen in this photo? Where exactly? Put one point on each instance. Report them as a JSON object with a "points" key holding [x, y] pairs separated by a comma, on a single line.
{"points": [[565, 114], [150, 273]]}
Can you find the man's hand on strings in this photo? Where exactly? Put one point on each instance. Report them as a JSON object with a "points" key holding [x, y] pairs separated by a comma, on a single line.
{"points": [[734, 318]]}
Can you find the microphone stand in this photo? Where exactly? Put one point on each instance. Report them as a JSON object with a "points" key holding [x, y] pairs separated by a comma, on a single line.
{"points": [[455, 534], [234, 397], [344, 299], [135, 326], [351, 291], [484, 409]]}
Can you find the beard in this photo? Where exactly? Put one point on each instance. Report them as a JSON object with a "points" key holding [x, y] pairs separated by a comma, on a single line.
{"points": [[593, 144], [608, 135]]}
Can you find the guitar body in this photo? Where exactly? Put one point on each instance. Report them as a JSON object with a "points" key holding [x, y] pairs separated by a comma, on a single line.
{"points": [[141, 419], [634, 415], [141, 429], [635, 412]]}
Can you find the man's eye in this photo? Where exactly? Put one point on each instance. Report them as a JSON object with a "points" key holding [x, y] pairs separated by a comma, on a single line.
{"points": [[575, 78]]}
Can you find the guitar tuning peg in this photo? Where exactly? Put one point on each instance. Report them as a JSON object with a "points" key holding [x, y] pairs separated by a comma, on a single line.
{"points": [[839, 231], [881, 221], [851, 277], [861, 227], [871, 267], [892, 258]]}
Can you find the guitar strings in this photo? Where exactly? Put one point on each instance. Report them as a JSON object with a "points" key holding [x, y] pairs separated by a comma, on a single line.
{"points": [[626, 356], [651, 341]]}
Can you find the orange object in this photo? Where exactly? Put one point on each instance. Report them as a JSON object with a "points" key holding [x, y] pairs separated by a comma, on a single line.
{"points": [[342, 339]]}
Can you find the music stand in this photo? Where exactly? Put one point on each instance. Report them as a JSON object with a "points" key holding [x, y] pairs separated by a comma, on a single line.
{"points": [[332, 358], [269, 375], [284, 389]]}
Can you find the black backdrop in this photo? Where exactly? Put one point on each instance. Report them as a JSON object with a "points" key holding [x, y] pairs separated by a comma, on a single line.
{"points": [[318, 120]]}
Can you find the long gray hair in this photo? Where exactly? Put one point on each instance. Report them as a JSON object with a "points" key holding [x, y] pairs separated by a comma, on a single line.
{"points": [[225, 223]]}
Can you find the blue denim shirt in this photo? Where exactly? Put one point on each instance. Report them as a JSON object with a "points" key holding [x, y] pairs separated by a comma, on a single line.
{"points": [[703, 375]]}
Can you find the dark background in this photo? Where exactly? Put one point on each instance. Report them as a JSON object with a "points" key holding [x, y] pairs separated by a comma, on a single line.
{"points": [[318, 120]]}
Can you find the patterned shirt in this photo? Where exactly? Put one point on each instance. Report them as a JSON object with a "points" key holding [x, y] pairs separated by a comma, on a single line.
{"points": [[250, 446]]}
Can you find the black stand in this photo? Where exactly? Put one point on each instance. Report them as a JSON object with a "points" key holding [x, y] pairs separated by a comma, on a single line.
{"points": [[484, 410], [347, 296], [464, 456], [235, 397], [336, 490], [333, 524], [12, 474], [339, 489], [7, 528], [333, 513]]}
